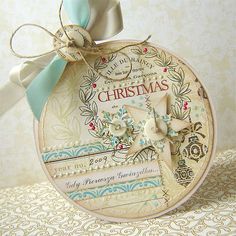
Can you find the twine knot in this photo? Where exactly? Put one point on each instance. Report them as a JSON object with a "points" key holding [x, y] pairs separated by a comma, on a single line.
{"points": [[72, 42]]}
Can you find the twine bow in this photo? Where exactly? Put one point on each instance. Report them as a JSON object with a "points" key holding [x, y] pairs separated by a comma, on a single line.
{"points": [[102, 19]]}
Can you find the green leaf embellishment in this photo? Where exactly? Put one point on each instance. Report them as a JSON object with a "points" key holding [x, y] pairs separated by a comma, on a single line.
{"points": [[175, 89], [181, 90], [107, 116], [137, 51], [164, 61], [172, 133], [82, 96], [126, 139], [177, 76], [103, 62], [178, 112], [89, 81], [167, 119], [185, 89]]}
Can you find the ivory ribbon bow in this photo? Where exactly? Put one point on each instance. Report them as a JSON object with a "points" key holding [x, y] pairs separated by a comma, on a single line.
{"points": [[102, 18]]}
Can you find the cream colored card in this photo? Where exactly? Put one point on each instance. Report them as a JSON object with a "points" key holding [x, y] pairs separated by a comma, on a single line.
{"points": [[131, 149]]}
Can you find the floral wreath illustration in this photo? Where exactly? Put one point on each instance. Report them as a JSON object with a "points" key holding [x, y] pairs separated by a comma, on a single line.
{"points": [[98, 127]]}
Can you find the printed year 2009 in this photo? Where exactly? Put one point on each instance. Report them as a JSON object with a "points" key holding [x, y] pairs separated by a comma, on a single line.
{"points": [[98, 161]]}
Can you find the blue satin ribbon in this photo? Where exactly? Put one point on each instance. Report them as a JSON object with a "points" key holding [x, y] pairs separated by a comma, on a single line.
{"points": [[42, 86], [78, 11]]}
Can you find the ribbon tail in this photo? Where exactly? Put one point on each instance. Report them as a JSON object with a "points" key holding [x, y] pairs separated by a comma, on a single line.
{"points": [[41, 87], [19, 78], [102, 18]]}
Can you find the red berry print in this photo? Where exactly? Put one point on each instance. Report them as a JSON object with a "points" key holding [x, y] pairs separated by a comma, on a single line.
{"points": [[145, 50], [94, 85], [104, 60], [91, 124], [93, 128], [165, 70], [185, 106], [121, 146]]}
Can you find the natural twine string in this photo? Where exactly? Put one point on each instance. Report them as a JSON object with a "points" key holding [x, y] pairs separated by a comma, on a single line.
{"points": [[93, 49]]}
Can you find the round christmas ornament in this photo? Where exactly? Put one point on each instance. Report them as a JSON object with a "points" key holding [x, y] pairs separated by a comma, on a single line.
{"points": [[124, 129]]}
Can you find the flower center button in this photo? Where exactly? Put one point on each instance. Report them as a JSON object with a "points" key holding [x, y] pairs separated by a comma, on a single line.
{"points": [[118, 128]]}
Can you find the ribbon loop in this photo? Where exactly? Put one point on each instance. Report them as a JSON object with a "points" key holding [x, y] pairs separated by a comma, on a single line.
{"points": [[33, 56], [78, 11], [105, 20]]}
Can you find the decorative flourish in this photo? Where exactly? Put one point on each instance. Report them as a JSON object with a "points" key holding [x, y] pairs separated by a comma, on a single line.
{"points": [[115, 188], [183, 173], [69, 153], [68, 130]]}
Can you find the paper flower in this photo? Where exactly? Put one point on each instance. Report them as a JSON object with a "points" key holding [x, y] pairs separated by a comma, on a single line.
{"points": [[156, 128]]}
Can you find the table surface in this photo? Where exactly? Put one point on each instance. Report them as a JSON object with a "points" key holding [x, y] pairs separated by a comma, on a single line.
{"points": [[40, 210]]}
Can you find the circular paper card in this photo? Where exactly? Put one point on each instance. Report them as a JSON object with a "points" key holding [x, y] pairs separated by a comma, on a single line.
{"points": [[131, 149]]}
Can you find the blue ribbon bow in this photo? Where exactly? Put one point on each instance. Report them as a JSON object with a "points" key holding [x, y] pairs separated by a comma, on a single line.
{"points": [[41, 87]]}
